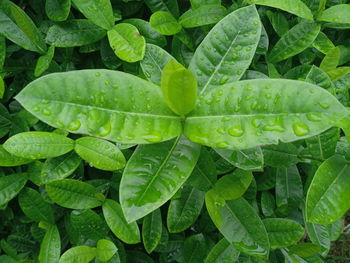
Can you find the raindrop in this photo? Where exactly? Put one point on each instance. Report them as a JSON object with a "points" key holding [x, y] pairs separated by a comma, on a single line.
{"points": [[105, 129], [236, 131], [221, 130], [300, 129], [98, 74], [324, 105], [45, 101], [74, 125], [313, 116], [36, 108], [47, 112]]}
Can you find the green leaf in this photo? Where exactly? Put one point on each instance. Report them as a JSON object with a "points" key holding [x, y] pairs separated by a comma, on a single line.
{"points": [[11, 185], [2, 87], [74, 194], [2, 52], [81, 254], [331, 60], [17, 26], [323, 146], [76, 104], [322, 43], [337, 14], [296, 40], [38, 145], [74, 33], [163, 5], [283, 232], [105, 249], [305, 250], [203, 15], [194, 249], [250, 113], [223, 251], [99, 12], [319, 235], [44, 61], [227, 50], [184, 211], [152, 230], [35, 207], [50, 248], [234, 185], [8, 159], [296, 7], [57, 10], [99, 153], [127, 232], [144, 190], [164, 23], [268, 204], [327, 196], [282, 155], [320, 78], [153, 63], [179, 88], [126, 42]]}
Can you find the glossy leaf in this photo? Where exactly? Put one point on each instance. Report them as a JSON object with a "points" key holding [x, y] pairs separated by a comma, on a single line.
{"points": [[57, 10], [305, 250], [105, 249], [10, 186], [179, 88], [254, 112], [323, 43], [126, 42], [319, 235], [50, 248], [8, 159], [92, 112], [227, 50], [223, 251], [203, 15], [337, 13], [282, 155], [320, 78], [323, 146], [164, 23], [44, 61], [194, 248], [38, 145], [152, 230], [331, 60], [81, 254], [147, 183], [113, 214], [74, 194]]}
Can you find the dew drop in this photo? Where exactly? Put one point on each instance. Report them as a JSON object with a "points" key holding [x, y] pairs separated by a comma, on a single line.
{"points": [[47, 112], [149, 107], [107, 83], [236, 131], [268, 95], [209, 101], [300, 129], [59, 124], [98, 74], [45, 101], [324, 105], [313, 116], [154, 137], [36, 108], [256, 22], [248, 49], [226, 118], [221, 130], [238, 48], [105, 129], [74, 125]]}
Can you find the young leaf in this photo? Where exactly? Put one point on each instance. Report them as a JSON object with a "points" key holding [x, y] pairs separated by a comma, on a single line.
{"points": [[227, 50], [113, 214], [44, 61], [179, 88], [144, 190], [223, 251], [336, 14], [164, 23], [101, 154], [89, 111], [74, 194], [57, 10], [8, 159], [11, 185], [50, 248], [322, 43], [331, 60], [81, 254], [126, 42], [105, 249], [38, 145], [152, 230], [258, 114], [203, 15]]}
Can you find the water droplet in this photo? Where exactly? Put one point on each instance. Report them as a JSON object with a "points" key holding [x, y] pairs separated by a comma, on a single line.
{"points": [[209, 100], [223, 80], [98, 74], [45, 101], [236, 131], [313, 116], [248, 49], [105, 129], [221, 130], [154, 137], [74, 125], [239, 72], [226, 118], [223, 145], [59, 124], [107, 83], [238, 48], [149, 107], [246, 34], [268, 95], [46, 112], [300, 129], [256, 22], [36, 108], [324, 105]]}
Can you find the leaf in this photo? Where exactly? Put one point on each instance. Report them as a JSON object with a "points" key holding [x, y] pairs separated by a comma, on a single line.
{"points": [[127, 232], [296, 7], [234, 185], [17, 26], [337, 14], [2, 87], [223, 251], [50, 248], [38, 145], [153, 63], [220, 58], [331, 60], [74, 194], [305, 250], [35, 207], [268, 204], [163, 5], [57, 10], [179, 88], [11, 185], [296, 40], [282, 155], [74, 33], [319, 235], [323, 43], [251, 113], [93, 113], [105, 249], [99, 153], [144, 190], [8, 159], [81, 254], [203, 15], [99, 12], [152, 230], [323, 146], [194, 249], [283, 232], [328, 193], [126, 42], [2, 52], [44, 61], [320, 78], [184, 211], [164, 23]]}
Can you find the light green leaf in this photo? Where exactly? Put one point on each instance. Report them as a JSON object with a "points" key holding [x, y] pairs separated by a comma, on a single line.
{"points": [[105, 249], [38, 145], [79, 254], [127, 232], [327, 197], [336, 14], [57, 10], [223, 251], [322, 43], [99, 12], [164, 23], [8, 159], [179, 88], [152, 230], [296, 7], [283, 232], [2, 87], [319, 235], [250, 113], [74, 194], [198, 3], [203, 15], [44, 61], [305, 250], [144, 190], [227, 50], [99, 153], [76, 104], [10, 186], [331, 60], [296, 40], [126, 42], [50, 248], [323, 146]]}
